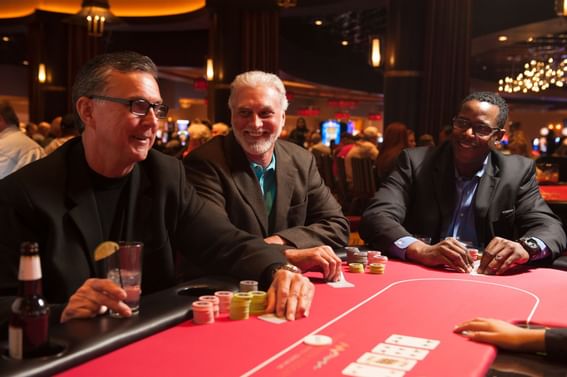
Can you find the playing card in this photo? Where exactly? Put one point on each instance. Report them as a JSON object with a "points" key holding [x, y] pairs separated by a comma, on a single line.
{"points": [[407, 352], [385, 361], [342, 283], [474, 271], [411, 341], [361, 370], [272, 318]]}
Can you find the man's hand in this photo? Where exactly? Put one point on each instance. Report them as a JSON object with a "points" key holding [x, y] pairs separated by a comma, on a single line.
{"points": [[448, 252], [290, 295], [320, 258], [275, 240], [503, 334], [93, 298], [500, 255]]}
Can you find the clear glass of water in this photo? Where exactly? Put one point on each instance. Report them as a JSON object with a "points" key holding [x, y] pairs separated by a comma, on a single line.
{"points": [[124, 268]]}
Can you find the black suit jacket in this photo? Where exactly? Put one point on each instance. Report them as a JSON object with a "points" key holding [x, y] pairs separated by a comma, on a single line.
{"points": [[52, 202], [556, 343], [419, 197], [304, 213]]}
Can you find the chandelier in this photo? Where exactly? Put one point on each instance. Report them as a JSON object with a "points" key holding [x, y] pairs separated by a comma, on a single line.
{"points": [[538, 75]]}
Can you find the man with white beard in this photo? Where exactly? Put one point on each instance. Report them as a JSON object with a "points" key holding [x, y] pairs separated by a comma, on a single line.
{"points": [[270, 187]]}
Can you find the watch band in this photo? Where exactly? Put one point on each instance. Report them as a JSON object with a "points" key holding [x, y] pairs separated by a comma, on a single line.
{"points": [[289, 267]]}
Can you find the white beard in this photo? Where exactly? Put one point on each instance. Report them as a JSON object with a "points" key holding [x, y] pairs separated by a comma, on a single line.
{"points": [[259, 147]]}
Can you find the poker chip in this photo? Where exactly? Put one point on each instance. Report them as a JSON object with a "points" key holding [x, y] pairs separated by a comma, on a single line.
{"points": [[248, 285], [354, 255], [356, 267], [377, 268], [213, 300], [318, 340], [473, 253], [203, 312], [240, 306], [258, 303], [382, 259], [224, 301]]}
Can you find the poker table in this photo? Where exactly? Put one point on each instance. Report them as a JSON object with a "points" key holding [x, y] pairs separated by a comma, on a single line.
{"points": [[554, 193], [380, 311]]}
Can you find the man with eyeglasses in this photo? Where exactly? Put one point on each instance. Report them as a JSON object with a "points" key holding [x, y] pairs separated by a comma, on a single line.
{"points": [[108, 184], [463, 195]]}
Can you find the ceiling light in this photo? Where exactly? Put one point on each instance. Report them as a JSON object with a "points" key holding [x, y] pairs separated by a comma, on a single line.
{"points": [[95, 14], [318, 22], [502, 38], [561, 7], [344, 42], [6, 39], [287, 3]]}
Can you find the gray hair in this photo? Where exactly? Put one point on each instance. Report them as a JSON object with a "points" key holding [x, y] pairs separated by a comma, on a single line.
{"points": [[92, 77], [254, 79], [8, 114]]}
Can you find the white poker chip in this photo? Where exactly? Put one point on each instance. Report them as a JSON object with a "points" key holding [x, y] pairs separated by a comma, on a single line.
{"points": [[318, 340]]}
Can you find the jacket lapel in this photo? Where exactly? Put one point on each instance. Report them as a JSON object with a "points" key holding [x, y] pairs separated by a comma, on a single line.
{"points": [[85, 212], [246, 181], [286, 174], [484, 193], [444, 183]]}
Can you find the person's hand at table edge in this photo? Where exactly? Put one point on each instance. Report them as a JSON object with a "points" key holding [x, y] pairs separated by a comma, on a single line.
{"points": [[290, 295], [503, 334], [319, 258], [449, 252], [94, 297], [500, 255]]}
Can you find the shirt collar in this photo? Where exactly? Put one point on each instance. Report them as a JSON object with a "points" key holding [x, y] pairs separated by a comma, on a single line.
{"points": [[259, 169], [478, 174]]}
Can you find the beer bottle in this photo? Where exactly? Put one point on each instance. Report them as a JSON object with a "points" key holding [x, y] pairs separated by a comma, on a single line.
{"points": [[28, 328]]}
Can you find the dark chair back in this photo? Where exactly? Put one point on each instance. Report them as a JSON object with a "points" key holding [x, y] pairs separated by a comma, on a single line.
{"points": [[560, 161], [325, 166]]}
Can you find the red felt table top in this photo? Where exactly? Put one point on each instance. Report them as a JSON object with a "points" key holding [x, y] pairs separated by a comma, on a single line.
{"points": [[554, 193], [407, 300]]}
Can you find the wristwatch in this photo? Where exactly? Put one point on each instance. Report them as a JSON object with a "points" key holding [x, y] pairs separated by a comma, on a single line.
{"points": [[288, 267], [530, 245]]}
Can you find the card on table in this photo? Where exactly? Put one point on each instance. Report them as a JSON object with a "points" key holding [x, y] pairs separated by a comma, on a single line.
{"points": [[272, 318], [361, 370], [342, 283], [412, 341], [385, 361], [407, 352]]}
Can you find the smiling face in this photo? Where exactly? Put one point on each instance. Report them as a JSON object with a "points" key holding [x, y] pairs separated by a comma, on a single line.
{"points": [[257, 121], [114, 138], [470, 150]]}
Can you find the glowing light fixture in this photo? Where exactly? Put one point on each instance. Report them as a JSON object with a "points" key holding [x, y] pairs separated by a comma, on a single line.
{"points": [[210, 73], [318, 22], [537, 76], [95, 14], [502, 38], [41, 74], [375, 54], [287, 3]]}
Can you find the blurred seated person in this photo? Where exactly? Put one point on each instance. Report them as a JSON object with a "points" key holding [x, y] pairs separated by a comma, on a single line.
{"points": [[562, 150], [16, 148], [269, 187], [110, 184], [425, 140], [364, 147], [199, 134], [298, 134], [43, 136], [411, 139], [520, 145], [68, 131], [220, 129], [505, 335], [343, 147], [395, 140], [465, 191], [317, 145], [445, 133]]}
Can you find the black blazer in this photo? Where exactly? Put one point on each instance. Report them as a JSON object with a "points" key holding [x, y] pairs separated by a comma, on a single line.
{"points": [[51, 201], [419, 197]]}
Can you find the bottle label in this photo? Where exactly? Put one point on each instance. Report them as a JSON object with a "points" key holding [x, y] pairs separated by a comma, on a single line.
{"points": [[15, 335], [30, 268]]}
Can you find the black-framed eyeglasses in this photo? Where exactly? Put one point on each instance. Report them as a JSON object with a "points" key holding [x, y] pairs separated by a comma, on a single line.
{"points": [[138, 107], [478, 129]]}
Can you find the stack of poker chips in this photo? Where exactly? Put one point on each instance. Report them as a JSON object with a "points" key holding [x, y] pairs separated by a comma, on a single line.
{"points": [[473, 253], [377, 263], [240, 306], [214, 300], [356, 267], [224, 301], [203, 312], [354, 255], [248, 286], [258, 303]]}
